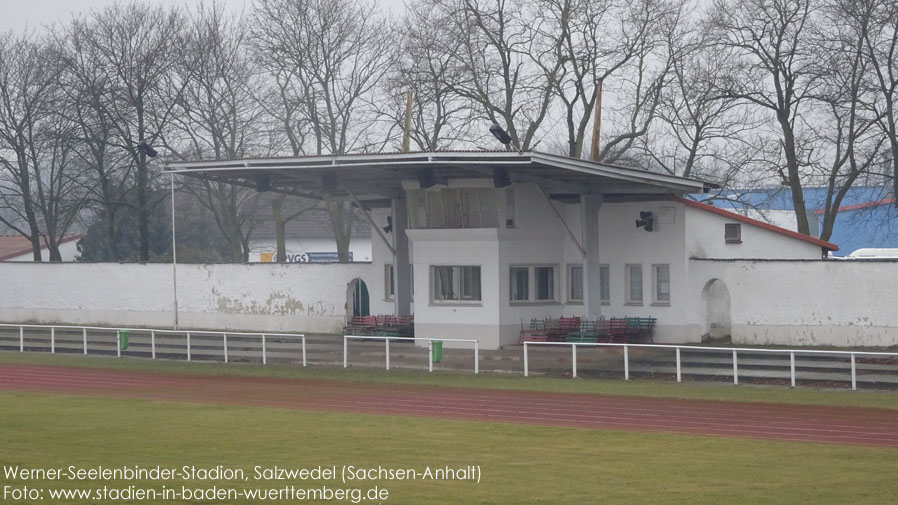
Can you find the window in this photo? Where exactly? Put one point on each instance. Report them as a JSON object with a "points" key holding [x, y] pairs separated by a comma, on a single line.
{"points": [[634, 284], [661, 283], [605, 284], [455, 283], [732, 233], [575, 283], [389, 284], [532, 283], [576, 280], [453, 208]]}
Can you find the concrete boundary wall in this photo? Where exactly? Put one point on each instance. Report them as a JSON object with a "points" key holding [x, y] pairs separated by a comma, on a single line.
{"points": [[256, 297], [805, 303]]}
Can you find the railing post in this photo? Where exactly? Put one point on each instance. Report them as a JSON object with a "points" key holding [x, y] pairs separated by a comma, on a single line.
{"points": [[735, 369], [84, 339], [430, 355], [224, 341], [679, 368], [345, 352], [153, 343], [526, 364], [792, 367], [52, 340], [118, 343], [853, 374], [387, 344], [303, 351], [188, 346], [574, 360], [21, 339], [626, 362], [476, 357], [264, 351]]}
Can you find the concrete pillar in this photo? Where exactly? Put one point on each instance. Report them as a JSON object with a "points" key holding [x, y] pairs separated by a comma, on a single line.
{"points": [[401, 271], [592, 284]]}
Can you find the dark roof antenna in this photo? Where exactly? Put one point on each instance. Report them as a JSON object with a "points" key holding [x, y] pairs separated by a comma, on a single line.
{"points": [[502, 136]]}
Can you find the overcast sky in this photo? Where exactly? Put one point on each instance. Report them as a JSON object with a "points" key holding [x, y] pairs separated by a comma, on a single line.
{"points": [[17, 14]]}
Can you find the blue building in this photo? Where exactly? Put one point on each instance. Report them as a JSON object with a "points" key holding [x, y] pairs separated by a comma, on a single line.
{"points": [[867, 215]]}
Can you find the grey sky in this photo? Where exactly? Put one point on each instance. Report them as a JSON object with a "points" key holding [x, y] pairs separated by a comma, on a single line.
{"points": [[17, 14]]}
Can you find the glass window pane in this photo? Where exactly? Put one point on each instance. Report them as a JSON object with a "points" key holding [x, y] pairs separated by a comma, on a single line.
{"points": [[635, 283], [544, 278], [442, 283], [489, 208], [662, 283], [575, 278], [605, 282], [470, 281], [452, 208], [519, 282], [417, 216]]}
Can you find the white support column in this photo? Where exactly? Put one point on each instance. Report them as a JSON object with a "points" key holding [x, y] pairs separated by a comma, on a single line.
{"points": [[401, 270], [52, 340], [387, 344], [188, 346], [21, 339], [153, 343], [589, 218], [574, 360], [526, 362], [304, 351], [84, 339], [224, 343]]}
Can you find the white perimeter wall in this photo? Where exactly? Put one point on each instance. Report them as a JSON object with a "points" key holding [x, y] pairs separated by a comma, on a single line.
{"points": [[805, 303], [271, 297]]}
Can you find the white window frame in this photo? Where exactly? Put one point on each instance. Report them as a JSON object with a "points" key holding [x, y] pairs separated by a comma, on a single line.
{"points": [[457, 276], [627, 273], [531, 285], [655, 285], [603, 267]]}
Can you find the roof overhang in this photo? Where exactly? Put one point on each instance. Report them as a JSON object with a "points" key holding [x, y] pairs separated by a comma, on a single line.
{"points": [[380, 176]]}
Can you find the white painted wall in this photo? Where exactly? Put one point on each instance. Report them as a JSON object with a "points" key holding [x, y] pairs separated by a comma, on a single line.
{"points": [[806, 303], [271, 297]]}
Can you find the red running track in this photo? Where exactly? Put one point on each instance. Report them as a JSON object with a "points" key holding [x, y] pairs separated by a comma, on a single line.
{"points": [[860, 426]]}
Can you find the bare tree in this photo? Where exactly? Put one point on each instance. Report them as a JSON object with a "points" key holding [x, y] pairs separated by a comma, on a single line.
{"points": [[137, 46]]}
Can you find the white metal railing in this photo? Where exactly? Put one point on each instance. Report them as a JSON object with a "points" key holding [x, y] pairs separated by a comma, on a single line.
{"points": [[734, 350], [153, 332], [430, 342]]}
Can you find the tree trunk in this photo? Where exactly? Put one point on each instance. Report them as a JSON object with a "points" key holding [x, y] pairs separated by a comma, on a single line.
{"points": [[801, 215]]}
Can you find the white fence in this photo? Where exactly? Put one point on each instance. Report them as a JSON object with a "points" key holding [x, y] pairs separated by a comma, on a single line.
{"points": [[189, 338], [430, 342], [678, 348]]}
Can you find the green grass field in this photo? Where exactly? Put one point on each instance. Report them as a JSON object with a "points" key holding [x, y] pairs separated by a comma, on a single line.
{"points": [[519, 464]]}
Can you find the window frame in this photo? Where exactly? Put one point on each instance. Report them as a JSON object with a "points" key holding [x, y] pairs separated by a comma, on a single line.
{"points": [[435, 300], [732, 239], [532, 289], [656, 301], [570, 283], [629, 300]]}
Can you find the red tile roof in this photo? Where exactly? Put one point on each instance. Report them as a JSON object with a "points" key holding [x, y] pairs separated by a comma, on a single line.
{"points": [[754, 222], [857, 206], [13, 246]]}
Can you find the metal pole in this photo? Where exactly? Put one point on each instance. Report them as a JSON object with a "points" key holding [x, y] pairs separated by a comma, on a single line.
{"points": [[153, 343], [387, 343], [84, 338], [52, 340], [21, 339], [303, 351], [430, 355], [526, 364], [174, 257], [188, 346], [574, 360], [224, 339], [679, 374], [345, 352], [853, 374], [735, 369], [118, 343], [792, 367], [626, 363], [264, 351], [476, 358]]}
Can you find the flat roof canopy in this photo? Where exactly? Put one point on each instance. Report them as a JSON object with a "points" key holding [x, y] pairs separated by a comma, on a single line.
{"points": [[372, 177]]}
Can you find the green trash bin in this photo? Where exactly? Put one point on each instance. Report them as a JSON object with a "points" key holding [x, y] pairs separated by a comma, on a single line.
{"points": [[437, 350], [123, 339]]}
